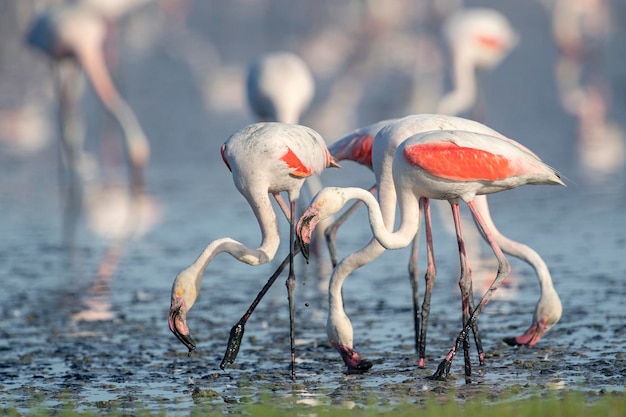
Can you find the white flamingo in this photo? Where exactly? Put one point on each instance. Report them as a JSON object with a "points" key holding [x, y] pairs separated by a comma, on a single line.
{"points": [[264, 158]]}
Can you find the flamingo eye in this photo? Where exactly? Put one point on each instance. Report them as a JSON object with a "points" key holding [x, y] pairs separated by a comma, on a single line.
{"points": [[320, 203], [179, 292]]}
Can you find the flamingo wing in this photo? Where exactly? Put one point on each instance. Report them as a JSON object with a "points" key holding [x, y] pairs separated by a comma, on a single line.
{"points": [[457, 163]]}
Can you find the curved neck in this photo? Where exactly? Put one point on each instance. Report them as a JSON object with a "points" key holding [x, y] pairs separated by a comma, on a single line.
{"points": [[463, 95], [266, 217], [409, 218], [346, 266]]}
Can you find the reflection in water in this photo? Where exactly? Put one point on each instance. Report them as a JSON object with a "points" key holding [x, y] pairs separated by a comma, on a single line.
{"points": [[73, 37], [117, 216]]}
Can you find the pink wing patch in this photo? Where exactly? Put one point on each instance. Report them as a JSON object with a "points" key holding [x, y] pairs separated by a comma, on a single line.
{"points": [[357, 149], [294, 163], [450, 161], [362, 151]]}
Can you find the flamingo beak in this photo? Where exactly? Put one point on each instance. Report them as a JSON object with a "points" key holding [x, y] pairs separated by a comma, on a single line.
{"points": [[178, 323], [333, 164], [304, 229], [530, 338]]}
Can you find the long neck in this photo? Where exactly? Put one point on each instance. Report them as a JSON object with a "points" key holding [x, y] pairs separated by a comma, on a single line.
{"points": [[136, 144], [463, 95], [339, 327], [409, 218], [264, 212]]}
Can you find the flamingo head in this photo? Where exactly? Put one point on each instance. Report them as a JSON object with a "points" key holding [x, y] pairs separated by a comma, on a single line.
{"points": [[547, 314], [183, 297], [325, 204]]}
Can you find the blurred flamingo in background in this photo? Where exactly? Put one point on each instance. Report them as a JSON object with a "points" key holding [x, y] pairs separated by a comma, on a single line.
{"points": [[448, 165], [581, 31], [280, 87], [264, 158], [72, 35], [478, 38], [357, 147]]}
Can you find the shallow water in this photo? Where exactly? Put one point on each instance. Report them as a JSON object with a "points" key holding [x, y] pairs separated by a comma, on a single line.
{"points": [[133, 361]]}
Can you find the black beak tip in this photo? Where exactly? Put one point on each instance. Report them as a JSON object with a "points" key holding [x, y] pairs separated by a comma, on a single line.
{"points": [[188, 341], [510, 341]]}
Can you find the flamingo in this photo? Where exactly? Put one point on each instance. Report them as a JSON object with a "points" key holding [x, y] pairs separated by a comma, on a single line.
{"points": [[357, 146], [478, 38], [450, 165], [280, 87], [75, 33], [264, 158]]}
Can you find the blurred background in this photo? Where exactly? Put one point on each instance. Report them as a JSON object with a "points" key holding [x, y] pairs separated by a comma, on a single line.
{"points": [[131, 155]]}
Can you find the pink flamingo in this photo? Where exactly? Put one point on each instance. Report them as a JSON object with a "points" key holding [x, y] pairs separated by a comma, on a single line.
{"points": [[264, 158], [450, 165], [75, 33], [478, 38], [357, 146]]}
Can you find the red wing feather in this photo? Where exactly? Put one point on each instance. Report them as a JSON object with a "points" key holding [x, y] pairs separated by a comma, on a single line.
{"points": [[450, 161], [295, 164]]}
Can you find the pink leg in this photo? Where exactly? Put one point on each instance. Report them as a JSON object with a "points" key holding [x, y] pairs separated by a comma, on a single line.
{"points": [[465, 283], [429, 279], [504, 268], [283, 206]]}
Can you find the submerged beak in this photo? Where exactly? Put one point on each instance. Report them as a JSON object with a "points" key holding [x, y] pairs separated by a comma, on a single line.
{"points": [[178, 323], [530, 338]]}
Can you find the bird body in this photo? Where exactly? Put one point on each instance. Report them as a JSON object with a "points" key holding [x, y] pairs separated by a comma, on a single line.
{"points": [[264, 158], [286, 156], [412, 181], [464, 164]]}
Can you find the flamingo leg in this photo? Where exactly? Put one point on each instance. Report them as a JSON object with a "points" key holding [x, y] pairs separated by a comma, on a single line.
{"points": [[281, 203], [414, 280], [465, 283], [291, 285], [236, 332], [331, 232], [504, 268], [429, 278]]}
